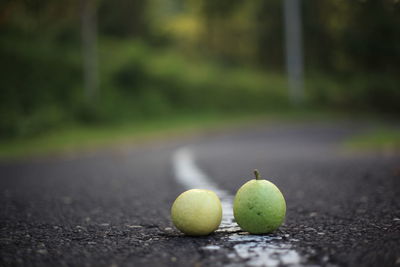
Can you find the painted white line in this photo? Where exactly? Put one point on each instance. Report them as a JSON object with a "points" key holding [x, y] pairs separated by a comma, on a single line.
{"points": [[257, 250]]}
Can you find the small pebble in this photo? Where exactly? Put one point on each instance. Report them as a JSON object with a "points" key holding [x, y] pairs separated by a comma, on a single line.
{"points": [[42, 251]]}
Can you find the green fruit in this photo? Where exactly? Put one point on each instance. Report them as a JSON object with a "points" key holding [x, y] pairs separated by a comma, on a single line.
{"points": [[197, 212], [259, 207]]}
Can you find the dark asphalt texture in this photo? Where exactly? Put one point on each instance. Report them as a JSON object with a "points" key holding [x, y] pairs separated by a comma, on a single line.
{"points": [[111, 208]]}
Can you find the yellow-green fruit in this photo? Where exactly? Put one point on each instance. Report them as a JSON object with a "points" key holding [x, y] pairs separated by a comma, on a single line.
{"points": [[197, 212], [259, 206]]}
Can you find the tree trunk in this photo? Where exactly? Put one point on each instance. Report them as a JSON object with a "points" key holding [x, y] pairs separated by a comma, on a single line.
{"points": [[89, 48]]}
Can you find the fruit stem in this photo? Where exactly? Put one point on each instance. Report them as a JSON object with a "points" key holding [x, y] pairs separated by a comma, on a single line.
{"points": [[257, 174]]}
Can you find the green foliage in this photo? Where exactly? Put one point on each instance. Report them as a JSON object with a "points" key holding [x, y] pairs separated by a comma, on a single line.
{"points": [[174, 57], [136, 82], [161, 82], [39, 83], [123, 18], [352, 36], [363, 92]]}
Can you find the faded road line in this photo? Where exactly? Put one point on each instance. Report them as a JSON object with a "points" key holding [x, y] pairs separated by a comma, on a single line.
{"points": [[256, 250]]}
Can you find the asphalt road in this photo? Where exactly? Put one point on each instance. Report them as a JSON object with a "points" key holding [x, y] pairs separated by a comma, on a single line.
{"points": [[111, 208]]}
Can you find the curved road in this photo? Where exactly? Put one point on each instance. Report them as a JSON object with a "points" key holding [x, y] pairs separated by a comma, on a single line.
{"points": [[111, 208]]}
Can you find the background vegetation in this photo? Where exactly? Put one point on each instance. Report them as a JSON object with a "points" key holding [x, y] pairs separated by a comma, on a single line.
{"points": [[161, 59]]}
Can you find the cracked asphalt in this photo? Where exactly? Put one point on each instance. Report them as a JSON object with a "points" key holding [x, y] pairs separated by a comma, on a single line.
{"points": [[111, 207]]}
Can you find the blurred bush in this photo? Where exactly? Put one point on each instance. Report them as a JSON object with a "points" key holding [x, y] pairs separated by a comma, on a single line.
{"points": [[161, 82], [39, 85], [369, 92], [43, 90]]}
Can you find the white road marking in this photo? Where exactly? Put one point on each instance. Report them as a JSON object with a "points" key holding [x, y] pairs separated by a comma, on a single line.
{"points": [[257, 250]]}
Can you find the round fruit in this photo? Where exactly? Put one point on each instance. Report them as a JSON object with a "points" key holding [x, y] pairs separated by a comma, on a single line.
{"points": [[259, 207], [197, 212]]}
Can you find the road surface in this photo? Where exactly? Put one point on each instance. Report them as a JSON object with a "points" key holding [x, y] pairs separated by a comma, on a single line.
{"points": [[111, 208]]}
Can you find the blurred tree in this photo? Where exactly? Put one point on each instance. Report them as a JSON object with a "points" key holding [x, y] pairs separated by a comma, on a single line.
{"points": [[294, 50], [347, 35], [38, 74], [269, 32], [89, 48]]}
